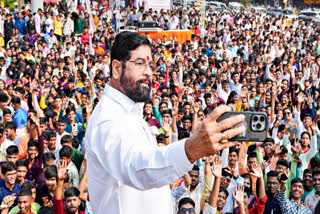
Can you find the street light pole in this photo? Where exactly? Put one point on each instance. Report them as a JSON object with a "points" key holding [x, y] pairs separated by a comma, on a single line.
{"points": [[203, 13], [35, 5]]}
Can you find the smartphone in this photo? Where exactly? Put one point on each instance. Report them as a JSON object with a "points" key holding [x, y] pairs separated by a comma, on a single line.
{"points": [[74, 127], [283, 177], [256, 124]]}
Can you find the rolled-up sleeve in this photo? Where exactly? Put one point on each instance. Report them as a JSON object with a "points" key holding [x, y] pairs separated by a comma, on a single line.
{"points": [[210, 210], [128, 155]]}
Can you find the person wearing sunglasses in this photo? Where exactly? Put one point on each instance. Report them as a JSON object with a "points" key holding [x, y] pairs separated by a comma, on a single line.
{"points": [[186, 206]]}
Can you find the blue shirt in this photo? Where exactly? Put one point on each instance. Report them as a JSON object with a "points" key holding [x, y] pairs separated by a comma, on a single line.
{"points": [[78, 119], [20, 117], [4, 191], [20, 24]]}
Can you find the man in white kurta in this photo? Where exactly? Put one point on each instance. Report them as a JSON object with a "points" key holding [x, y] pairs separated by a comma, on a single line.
{"points": [[124, 160], [127, 172]]}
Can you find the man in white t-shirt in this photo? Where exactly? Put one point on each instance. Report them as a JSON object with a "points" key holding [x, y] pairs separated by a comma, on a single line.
{"points": [[4, 144]]}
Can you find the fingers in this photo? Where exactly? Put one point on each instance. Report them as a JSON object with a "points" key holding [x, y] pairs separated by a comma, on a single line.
{"points": [[230, 122], [217, 160], [64, 164], [218, 112], [233, 194], [229, 144], [232, 133]]}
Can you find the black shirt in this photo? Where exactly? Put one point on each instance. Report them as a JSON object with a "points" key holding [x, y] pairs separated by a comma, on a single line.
{"points": [[272, 205], [43, 192]]}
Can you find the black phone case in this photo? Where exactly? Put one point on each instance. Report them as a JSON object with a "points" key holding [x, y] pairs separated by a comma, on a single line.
{"points": [[250, 134]]}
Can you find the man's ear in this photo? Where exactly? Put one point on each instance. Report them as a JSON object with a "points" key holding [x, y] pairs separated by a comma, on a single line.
{"points": [[116, 69]]}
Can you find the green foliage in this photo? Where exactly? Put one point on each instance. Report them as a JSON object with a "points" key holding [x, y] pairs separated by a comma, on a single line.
{"points": [[9, 3]]}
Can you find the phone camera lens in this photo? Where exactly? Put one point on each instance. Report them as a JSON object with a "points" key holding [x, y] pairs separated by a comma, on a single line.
{"points": [[255, 118], [258, 126], [261, 119]]}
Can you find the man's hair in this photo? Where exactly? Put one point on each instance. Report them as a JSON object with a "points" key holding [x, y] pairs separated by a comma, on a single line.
{"points": [[20, 90], [65, 151], [12, 150], [32, 143], [43, 120], [65, 139], [29, 185], [233, 149], [307, 115], [70, 109], [283, 163], [21, 162], [25, 192], [62, 120], [3, 97], [124, 43], [186, 117], [252, 155], [207, 95], [51, 172], [196, 168], [222, 189], [307, 171], [314, 162], [6, 111], [7, 167], [314, 173], [10, 125], [72, 191], [15, 100], [167, 111], [45, 210], [268, 139], [47, 157], [284, 150], [296, 180], [272, 174], [185, 201]]}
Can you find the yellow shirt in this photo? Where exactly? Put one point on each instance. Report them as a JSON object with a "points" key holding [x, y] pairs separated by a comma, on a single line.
{"points": [[58, 27], [1, 42]]}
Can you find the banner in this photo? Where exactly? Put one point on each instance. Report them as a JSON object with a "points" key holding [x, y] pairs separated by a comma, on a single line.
{"points": [[154, 4]]}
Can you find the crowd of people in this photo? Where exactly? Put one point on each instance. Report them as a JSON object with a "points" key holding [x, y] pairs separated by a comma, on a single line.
{"points": [[54, 67]]}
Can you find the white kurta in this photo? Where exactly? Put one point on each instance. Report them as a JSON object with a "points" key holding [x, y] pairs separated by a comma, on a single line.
{"points": [[127, 172]]}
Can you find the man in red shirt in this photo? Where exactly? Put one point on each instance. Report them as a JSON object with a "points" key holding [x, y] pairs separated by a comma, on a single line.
{"points": [[242, 197], [72, 195], [85, 37]]}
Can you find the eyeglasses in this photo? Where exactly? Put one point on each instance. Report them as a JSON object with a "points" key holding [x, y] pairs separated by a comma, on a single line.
{"points": [[141, 64], [184, 210], [225, 178], [287, 113]]}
